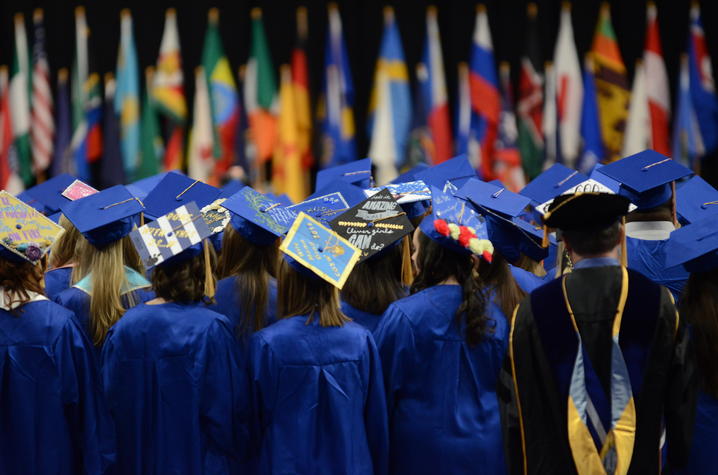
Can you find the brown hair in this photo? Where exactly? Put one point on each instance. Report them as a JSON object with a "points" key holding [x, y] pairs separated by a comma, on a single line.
{"points": [[18, 279], [497, 275], [699, 305], [62, 251], [437, 264], [662, 212], [182, 280], [251, 266], [302, 295], [376, 283]]}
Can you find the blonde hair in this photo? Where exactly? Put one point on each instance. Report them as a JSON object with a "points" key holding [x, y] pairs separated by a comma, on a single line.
{"points": [[62, 251]]}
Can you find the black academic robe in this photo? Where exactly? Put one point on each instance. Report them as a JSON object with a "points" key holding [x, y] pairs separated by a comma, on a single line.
{"points": [[654, 344]]}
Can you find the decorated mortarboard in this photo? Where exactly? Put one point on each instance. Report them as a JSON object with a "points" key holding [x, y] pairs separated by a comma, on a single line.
{"points": [[586, 211], [216, 216], [695, 246], [282, 199], [357, 173], [374, 224], [175, 190], [48, 197], [646, 177], [141, 188], [551, 183], [454, 224], [695, 199], [330, 201], [410, 175], [320, 250], [230, 188], [494, 198], [25, 234], [104, 217], [413, 196], [179, 232], [257, 217], [456, 171]]}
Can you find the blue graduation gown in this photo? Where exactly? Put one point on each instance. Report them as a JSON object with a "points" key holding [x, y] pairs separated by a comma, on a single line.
{"points": [[526, 280], [704, 449], [57, 280], [226, 299], [53, 419], [176, 389], [365, 319], [318, 399], [441, 393], [648, 258]]}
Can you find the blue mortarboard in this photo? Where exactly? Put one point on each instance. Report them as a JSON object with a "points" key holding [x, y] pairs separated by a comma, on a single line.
{"points": [[357, 173], [411, 174], [412, 196], [104, 217], [646, 177], [493, 197], [230, 188], [695, 246], [330, 201], [47, 196], [454, 224], [175, 190], [457, 170], [282, 199], [257, 217], [605, 180], [696, 198], [25, 234], [552, 183], [141, 188]]}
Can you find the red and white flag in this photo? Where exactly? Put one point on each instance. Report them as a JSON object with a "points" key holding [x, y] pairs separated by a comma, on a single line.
{"points": [[42, 129], [657, 91]]}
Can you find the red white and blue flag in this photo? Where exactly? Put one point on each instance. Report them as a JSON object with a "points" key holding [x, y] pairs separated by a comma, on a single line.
{"points": [[702, 85]]}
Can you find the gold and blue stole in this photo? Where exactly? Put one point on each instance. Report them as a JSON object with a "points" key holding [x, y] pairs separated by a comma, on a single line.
{"points": [[133, 281]]}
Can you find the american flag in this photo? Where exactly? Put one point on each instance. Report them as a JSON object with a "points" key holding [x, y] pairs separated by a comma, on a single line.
{"points": [[43, 127]]}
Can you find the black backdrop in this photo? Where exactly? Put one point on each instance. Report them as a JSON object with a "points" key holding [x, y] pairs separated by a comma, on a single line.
{"points": [[362, 22]]}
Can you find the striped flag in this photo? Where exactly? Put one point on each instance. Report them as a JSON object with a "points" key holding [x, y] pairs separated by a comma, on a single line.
{"points": [[390, 104], [657, 91], [168, 91], [127, 96], [9, 178], [611, 85], [80, 72], [507, 165], [638, 126], [688, 146], [62, 153], [702, 84], [300, 83], [201, 140], [20, 86], [43, 126], [485, 95], [465, 141]]}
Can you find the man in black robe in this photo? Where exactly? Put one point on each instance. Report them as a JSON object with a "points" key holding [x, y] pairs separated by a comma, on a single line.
{"points": [[599, 367]]}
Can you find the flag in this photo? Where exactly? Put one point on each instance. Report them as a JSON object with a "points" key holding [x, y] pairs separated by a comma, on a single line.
{"points": [[288, 174], [436, 98], [112, 172], [80, 72], [300, 83], [168, 91], [336, 111], [549, 120], [507, 165], [62, 153], [223, 97], [485, 95], [592, 151], [243, 147], [43, 126], [688, 145], [91, 147], [20, 86], [611, 85], [127, 97], [421, 147], [201, 141], [465, 141], [638, 125], [390, 104], [569, 89], [702, 85], [659, 100], [151, 147], [530, 104], [9, 178]]}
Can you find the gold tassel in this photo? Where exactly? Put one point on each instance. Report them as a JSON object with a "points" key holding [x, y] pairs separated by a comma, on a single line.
{"points": [[407, 272], [544, 242], [624, 249], [142, 218], [209, 281]]}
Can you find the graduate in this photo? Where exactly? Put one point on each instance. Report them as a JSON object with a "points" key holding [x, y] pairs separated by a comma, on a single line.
{"points": [[247, 291], [62, 260], [111, 273], [172, 373], [52, 414], [599, 363], [316, 377], [441, 350]]}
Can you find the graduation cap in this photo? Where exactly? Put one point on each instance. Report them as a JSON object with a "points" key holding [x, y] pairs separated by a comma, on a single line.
{"points": [[357, 173], [310, 246], [411, 174], [47, 197], [175, 190], [695, 199], [694, 246], [550, 184], [413, 196], [216, 216], [104, 217], [141, 188], [283, 199], [586, 211], [646, 177], [493, 197], [230, 188], [25, 234], [330, 201], [257, 217], [457, 171], [374, 224], [455, 225]]}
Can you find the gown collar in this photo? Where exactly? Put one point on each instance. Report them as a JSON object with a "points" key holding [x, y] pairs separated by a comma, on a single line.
{"points": [[133, 281], [7, 304]]}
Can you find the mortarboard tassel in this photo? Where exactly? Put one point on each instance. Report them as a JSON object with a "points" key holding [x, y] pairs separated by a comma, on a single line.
{"points": [[624, 249], [407, 272], [544, 241], [142, 218], [209, 283]]}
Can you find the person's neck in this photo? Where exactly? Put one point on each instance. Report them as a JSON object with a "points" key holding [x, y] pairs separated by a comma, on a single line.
{"points": [[156, 301], [576, 258], [449, 281]]}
